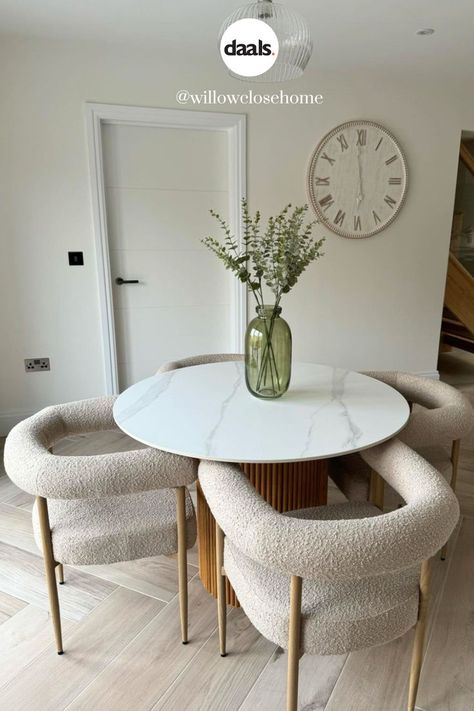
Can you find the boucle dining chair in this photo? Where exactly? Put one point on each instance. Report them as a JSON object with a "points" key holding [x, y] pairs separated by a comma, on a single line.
{"points": [[200, 360], [440, 417], [105, 508], [332, 579]]}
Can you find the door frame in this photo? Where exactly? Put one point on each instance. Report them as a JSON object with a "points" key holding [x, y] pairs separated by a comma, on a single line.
{"points": [[99, 114]]}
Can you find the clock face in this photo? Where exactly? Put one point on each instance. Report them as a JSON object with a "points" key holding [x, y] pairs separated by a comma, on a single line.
{"points": [[357, 179]]}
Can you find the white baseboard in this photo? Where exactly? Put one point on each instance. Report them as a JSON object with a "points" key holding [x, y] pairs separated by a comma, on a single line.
{"points": [[428, 374], [8, 420]]}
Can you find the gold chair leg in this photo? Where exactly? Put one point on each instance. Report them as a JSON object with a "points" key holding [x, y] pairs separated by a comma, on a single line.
{"points": [[49, 566], [60, 573], [376, 490], [455, 450], [417, 655], [182, 561], [294, 643], [221, 600]]}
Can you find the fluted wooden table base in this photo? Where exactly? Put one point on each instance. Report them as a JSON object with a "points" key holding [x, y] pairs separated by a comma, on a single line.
{"points": [[294, 485]]}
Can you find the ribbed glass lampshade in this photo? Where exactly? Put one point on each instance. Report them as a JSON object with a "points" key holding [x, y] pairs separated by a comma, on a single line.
{"points": [[292, 30]]}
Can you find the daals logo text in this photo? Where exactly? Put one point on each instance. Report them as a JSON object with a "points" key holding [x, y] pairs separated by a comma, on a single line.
{"points": [[234, 49]]}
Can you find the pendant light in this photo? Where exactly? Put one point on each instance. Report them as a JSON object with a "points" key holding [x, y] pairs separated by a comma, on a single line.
{"points": [[292, 30]]}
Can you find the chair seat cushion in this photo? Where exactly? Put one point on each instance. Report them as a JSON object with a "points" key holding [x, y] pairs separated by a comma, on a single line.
{"points": [[117, 528], [336, 617]]}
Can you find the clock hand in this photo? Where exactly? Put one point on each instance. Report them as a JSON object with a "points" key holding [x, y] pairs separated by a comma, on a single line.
{"points": [[360, 196]]}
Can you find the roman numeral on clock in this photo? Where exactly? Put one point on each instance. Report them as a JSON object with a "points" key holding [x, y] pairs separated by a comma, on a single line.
{"points": [[326, 201], [328, 158], [390, 160], [390, 201], [378, 144], [339, 219], [357, 223], [321, 181], [361, 137], [343, 143], [376, 217], [394, 181]]}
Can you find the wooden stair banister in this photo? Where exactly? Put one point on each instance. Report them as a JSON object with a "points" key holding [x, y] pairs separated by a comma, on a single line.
{"points": [[459, 294], [457, 329], [466, 157]]}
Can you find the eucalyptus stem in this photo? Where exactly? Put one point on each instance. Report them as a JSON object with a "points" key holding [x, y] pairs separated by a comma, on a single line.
{"points": [[268, 352], [265, 365]]}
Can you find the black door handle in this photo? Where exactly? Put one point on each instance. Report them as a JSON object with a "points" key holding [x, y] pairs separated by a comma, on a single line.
{"points": [[121, 281]]}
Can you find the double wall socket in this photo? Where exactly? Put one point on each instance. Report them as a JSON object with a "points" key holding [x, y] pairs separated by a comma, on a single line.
{"points": [[32, 365]]}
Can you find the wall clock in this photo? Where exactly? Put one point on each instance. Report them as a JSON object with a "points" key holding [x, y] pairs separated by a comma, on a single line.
{"points": [[357, 179]]}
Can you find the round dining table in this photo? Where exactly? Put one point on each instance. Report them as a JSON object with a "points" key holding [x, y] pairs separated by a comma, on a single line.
{"points": [[282, 445]]}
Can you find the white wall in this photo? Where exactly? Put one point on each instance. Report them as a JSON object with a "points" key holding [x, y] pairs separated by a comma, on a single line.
{"points": [[373, 303]]}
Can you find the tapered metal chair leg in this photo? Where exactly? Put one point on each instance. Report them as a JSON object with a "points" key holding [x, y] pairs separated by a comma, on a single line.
{"points": [[294, 643], [60, 573], [377, 490], [417, 655], [455, 449], [221, 599], [49, 567], [182, 561]]}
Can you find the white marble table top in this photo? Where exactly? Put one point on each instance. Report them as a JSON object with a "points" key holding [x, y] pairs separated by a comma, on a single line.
{"points": [[207, 412]]}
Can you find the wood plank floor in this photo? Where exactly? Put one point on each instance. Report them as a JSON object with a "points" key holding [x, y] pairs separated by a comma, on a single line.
{"points": [[121, 629]]}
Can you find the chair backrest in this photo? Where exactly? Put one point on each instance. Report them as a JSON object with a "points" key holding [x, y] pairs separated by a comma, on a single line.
{"points": [[445, 413], [200, 360], [35, 469], [338, 549]]}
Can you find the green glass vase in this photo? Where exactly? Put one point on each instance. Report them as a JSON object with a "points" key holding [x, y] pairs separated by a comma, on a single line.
{"points": [[268, 353]]}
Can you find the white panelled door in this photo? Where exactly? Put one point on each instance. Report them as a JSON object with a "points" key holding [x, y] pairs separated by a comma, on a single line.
{"points": [[159, 186]]}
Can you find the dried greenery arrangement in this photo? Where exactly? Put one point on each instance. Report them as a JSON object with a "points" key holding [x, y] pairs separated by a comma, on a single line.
{"points": [[274, 259]]}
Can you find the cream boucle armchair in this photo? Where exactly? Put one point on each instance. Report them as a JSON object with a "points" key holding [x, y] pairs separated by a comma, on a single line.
{"points": [[330, 580], [440, 418], [102, 508], [200, 360]]}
